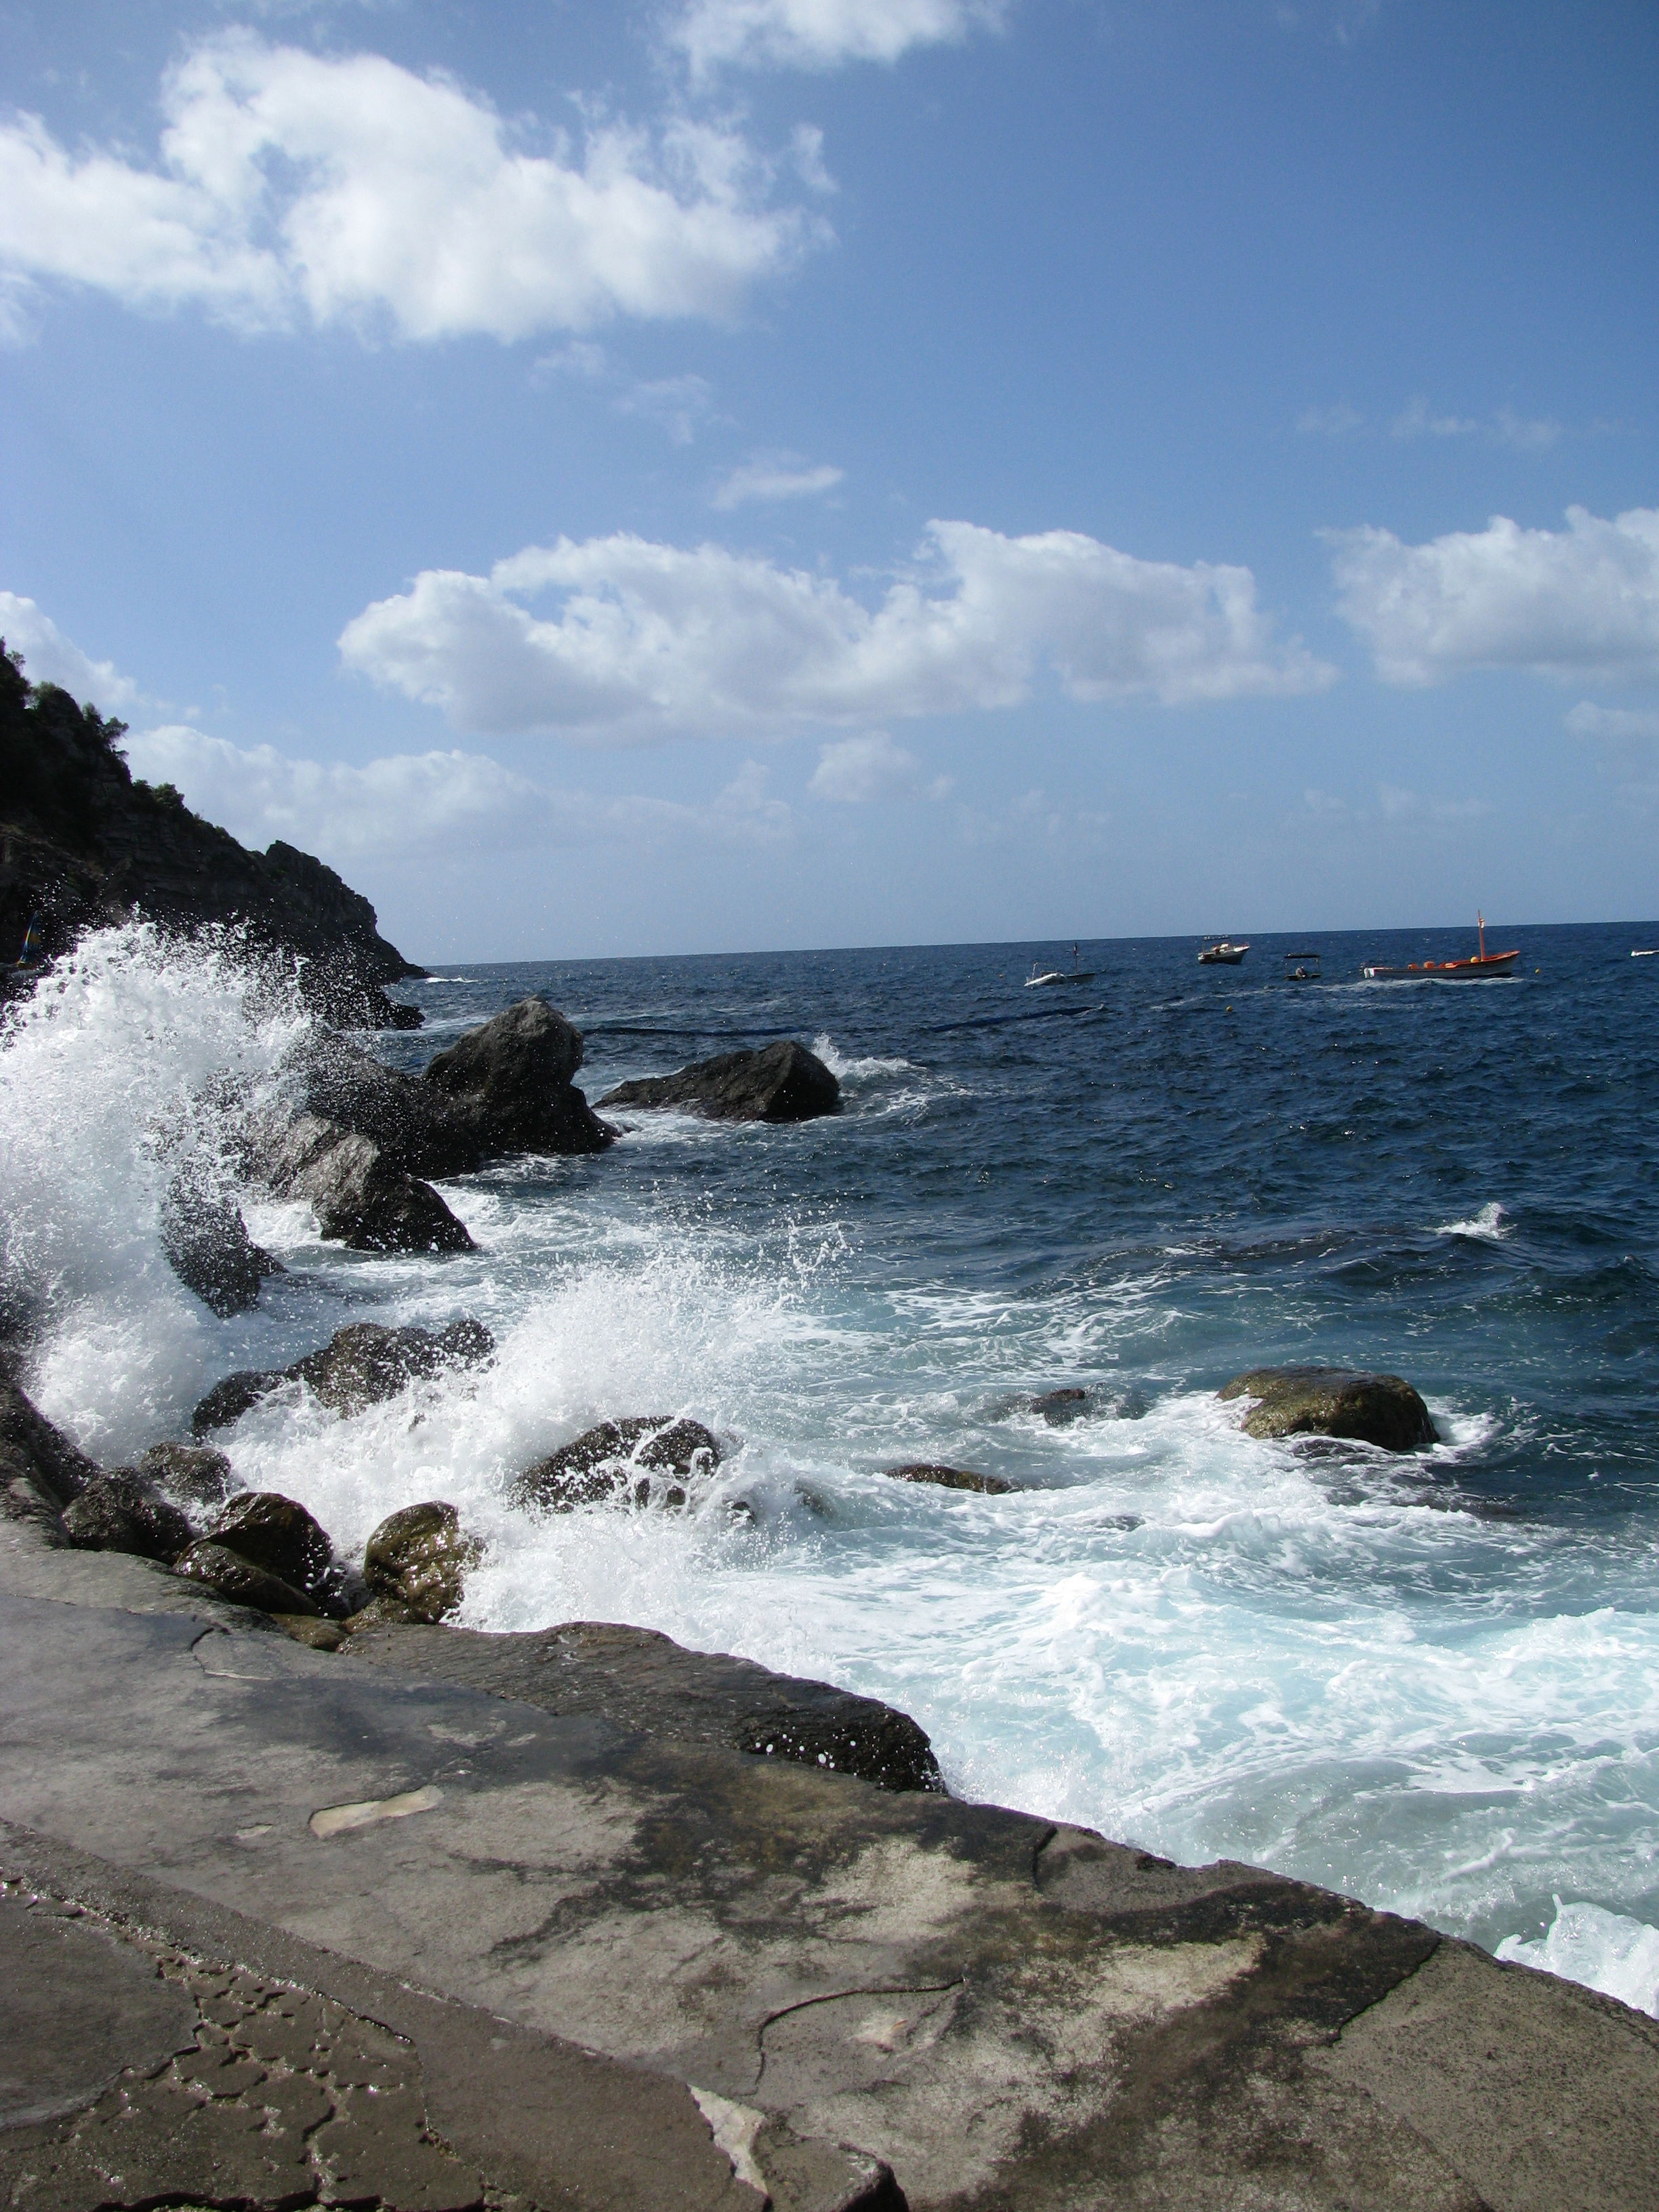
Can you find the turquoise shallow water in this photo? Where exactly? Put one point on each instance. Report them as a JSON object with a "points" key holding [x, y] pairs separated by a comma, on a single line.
{"points": [[1430, 1681]]}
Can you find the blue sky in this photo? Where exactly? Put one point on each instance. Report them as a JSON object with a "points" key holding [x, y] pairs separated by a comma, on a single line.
{"points": [[709, 474]]}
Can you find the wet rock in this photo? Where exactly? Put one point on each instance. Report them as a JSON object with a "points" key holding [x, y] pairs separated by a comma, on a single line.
{"points": [[1334, 1401], [209, 1249], [416, 1563], [277, 1535], [40, 1470], [305, 1628], [365, 1362], [195, 1475], [616, 1457], [229, 1400], [783, 1082], [417, 1127], [641, 1682], [511, 1079], [950, 1478], [123, 1511], [228, 1575], [361, 1197], [1059, 1407]]}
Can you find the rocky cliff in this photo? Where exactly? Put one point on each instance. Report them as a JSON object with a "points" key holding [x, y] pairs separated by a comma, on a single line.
{"points": [[82, 842]]}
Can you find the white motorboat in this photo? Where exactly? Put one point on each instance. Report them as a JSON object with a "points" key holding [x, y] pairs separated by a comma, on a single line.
{"points": [[1221, 952]]}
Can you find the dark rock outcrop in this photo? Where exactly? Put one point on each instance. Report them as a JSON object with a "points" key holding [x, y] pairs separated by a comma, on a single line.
{"points": [[228, 1575], [124, 1511], [510, 1079], [40, 1470], [209, 1249], [416, 1126], [617, 1459], [639, 1680], [361, 1365], [195, 1475], [950, 1478], [783, 1082], [83, 844], [361, 1197], [1334, 1401], [277, 1535], [416, 1564]]}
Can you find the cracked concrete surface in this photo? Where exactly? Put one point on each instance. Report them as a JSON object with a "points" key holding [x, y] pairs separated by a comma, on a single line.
{"points": [[1008, 2014]]}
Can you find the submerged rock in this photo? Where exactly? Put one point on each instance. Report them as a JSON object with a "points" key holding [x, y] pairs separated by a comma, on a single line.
{"points": [[124, 1511], [511, 1080], [416, 1563], [361, 1364], [616, 1457], [783, 1082], [230, 1576], [950, 1478], [195, 1474], [277, 1535], [1334, 1401], [361, 1197]]}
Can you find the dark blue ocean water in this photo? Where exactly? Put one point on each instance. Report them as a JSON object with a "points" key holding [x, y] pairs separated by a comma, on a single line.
{"points": [[1431, 1681]]}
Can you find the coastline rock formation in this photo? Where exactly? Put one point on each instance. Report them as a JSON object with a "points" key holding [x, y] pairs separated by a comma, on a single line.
{"points": [[1334, 1401], [125, 1511], [618, 1458], [362, 1198], [82, 843], [509, 1081], [416, 1565], [361, 1364], [783, 1082]]}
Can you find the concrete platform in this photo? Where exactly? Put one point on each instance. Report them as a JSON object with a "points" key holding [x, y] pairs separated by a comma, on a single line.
{"points": [[673, 1973]]}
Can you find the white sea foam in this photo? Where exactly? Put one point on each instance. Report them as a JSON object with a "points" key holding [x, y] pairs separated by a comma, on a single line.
{"points": [[847, 1070], [1490, 1225], [1606, 1951]]}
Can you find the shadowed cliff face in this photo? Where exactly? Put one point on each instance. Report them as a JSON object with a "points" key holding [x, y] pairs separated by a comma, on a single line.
{"points": [[82, 843]]}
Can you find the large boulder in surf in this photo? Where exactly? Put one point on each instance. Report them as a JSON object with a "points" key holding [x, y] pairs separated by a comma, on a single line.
{"points": [[359, 1196], [415, 1125], [511, 1079], [277, 1535], [783, 1082], [618, 1459], [209, 1249], [1334, 1401], [195, 1476], [416, 1564], [124, 1511], [228, 1575], [361, 1364], [950, 1478]]}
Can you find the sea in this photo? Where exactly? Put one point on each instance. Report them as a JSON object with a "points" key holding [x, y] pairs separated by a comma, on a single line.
{"points": [[1431, 1681]]}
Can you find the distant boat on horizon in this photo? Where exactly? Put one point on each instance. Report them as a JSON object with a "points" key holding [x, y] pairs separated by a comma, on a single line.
{"points": [[1038, 981], [1473, 969]]}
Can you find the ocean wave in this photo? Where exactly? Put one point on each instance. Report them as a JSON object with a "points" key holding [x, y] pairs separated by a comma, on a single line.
{"points": [[1605, 1951], [1490, 1225]]}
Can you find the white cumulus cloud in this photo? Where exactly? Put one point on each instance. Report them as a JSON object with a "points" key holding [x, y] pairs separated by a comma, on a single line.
{"points": [[49, 656], [1579, 604], [646, 642], [853, 771], [453, 804], [821, 35], [294, 186], [775, 476]]}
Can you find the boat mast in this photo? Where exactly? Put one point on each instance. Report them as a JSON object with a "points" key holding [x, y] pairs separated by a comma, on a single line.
{"points": [[1481, 924]]}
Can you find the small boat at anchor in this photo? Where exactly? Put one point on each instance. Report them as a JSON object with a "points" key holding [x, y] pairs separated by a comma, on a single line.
{"points": [[1221, 952], [1040, 980], [1474, 969]]}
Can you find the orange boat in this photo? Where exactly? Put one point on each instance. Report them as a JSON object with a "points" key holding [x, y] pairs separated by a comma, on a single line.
{"points": [[1474, 969]]}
